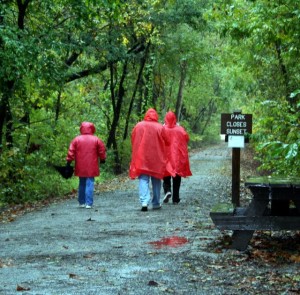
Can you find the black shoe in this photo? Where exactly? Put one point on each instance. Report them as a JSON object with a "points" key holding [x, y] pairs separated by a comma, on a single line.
{"points": [[176, 203], [144, 208]]}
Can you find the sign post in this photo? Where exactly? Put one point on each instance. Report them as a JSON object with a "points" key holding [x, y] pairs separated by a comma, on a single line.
{"points": [[235, 180], [235, 126]]}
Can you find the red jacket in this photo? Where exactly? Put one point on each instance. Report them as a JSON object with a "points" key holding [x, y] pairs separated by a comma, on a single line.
{"points": [[148, 147], [85, 149], [177, 150]]}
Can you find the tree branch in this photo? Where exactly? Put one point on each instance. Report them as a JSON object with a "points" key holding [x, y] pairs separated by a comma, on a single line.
{"points": [[137, 48]]}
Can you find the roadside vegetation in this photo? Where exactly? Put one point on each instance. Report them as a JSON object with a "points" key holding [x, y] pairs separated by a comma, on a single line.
{"points": [[64, 62]]}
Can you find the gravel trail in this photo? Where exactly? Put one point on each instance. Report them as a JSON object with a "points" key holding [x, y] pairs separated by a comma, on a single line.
{"points": [[115, 248]]}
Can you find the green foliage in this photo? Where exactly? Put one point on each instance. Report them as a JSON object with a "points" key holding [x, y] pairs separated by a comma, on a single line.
{"points": [[71, 61], [125, 154], [109, 167], [28, 179], [277, 138], [262, 45]]}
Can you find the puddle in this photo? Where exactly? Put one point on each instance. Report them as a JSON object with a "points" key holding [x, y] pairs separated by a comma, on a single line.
{"points": [[173, 242]]}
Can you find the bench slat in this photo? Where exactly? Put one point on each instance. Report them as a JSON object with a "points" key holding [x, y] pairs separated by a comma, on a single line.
{"points": [[233, 222]]}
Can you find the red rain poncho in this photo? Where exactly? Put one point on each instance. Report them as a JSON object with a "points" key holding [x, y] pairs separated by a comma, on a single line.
{"points": [[148, 147], [85, 149], [177, 150]]}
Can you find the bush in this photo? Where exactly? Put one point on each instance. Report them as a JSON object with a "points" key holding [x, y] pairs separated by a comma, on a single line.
{"points": [[28, 178]]}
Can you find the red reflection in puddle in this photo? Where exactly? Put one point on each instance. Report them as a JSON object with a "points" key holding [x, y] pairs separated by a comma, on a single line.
{"points": [[169, 242]]}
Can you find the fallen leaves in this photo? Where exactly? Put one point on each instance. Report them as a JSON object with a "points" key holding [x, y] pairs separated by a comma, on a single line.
{"points": [[269, 262], [119, 182], [11, 212], [276, 250], [265, 247], [295, 258], [161, 287]]}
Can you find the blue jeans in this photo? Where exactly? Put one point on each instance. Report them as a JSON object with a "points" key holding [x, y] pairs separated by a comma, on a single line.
{"points": [[86, 190], [144, 190]]}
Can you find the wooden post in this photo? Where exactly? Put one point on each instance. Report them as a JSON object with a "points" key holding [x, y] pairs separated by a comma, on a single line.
{"points": [[236, 156]]}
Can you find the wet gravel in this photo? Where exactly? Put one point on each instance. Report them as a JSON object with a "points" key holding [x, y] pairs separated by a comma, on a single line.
{"points": [[115, 248]]}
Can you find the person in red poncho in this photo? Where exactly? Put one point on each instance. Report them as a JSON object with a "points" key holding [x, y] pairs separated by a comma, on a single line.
{"points": [[177, 155], [148, 159], [86, 149]]}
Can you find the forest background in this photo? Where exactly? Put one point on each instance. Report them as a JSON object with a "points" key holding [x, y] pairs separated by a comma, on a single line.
{"points": [[107, 61]]}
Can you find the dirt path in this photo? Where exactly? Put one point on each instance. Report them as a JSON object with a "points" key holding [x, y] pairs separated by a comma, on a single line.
{"points": [[117, 249]]}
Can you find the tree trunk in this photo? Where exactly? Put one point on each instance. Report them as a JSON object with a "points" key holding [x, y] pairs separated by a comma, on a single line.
{"points": [[137, 84], [8, 85], [183, 69], [211, 110], [58, 105], [5, 114], [3, 106], [117, 106], [283, 69]]}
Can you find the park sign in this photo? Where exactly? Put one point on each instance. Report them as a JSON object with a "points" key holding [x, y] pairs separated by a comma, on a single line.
{"points": [[236, 124]]}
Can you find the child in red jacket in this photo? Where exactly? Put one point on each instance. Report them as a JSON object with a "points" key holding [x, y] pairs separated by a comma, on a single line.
{"points": [[85, 149]]}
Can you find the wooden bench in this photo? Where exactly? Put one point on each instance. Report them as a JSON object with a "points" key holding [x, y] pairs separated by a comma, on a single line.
{"points": [[275, 206]]}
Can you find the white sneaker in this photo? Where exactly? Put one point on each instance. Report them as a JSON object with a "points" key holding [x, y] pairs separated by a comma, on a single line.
{"points": [[167, 197], [88, 207], [81, 205]]}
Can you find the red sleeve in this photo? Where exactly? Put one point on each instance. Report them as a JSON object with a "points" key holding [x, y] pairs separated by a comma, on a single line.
{"points": [[71, 151]]}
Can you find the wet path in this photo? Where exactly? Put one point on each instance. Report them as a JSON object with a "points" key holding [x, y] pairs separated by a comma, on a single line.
{"points": [[113, 248]]}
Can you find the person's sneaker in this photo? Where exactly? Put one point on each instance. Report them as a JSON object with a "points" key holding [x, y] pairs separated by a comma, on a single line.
{"points": [[176, 203], [81, 205], [167, 197], [88, 207], [144, 208], [157, 207]]}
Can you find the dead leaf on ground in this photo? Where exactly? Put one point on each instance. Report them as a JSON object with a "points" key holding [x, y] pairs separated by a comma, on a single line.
{"points": [[20, 288], [6, 263], [153, 283], [295, 258], [88, 256], [90, 219]]}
